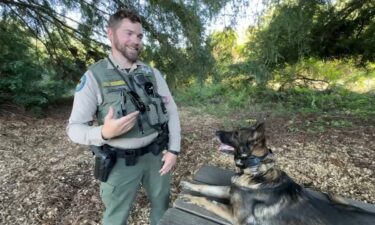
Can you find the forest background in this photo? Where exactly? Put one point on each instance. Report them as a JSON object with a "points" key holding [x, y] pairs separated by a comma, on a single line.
{"points": [[304, 55], [306, 66]]}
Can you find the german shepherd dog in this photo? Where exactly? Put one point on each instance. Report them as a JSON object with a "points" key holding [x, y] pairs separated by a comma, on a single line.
{"points": [[261, 194]]}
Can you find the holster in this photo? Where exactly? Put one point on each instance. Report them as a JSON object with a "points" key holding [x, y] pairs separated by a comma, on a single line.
{"points": [[163, 138], [104, 162], [155, 149]]}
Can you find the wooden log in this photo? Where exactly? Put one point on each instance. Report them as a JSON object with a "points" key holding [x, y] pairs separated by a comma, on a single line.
{"points": [[212, 175], [175, 216]]}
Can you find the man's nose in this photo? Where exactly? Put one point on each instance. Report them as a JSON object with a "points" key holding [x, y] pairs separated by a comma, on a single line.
{"points": [[136, 40]]}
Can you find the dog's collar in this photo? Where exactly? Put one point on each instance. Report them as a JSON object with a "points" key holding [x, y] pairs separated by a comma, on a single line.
{"points": [[254, 161]]}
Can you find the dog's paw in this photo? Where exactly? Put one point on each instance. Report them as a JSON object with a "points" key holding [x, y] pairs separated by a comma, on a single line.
{"points": [[194, 200], [186, 185], [186, 197]]}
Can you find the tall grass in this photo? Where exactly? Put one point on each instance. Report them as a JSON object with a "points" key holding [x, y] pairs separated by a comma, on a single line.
{"points": [[340, 95]]}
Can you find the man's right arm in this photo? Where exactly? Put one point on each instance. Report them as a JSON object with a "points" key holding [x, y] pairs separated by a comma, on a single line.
{"points": [[86, 100]]}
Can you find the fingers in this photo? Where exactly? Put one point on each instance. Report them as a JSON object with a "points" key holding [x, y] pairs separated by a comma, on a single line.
{"points": [[165, 169], [169, 161], [107, 133], [114, 127], [127, 122], [109, 114], [127, 126], [133, 114], [130, 117]]}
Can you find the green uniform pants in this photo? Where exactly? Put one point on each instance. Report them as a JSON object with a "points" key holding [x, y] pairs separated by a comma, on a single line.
{"points": [[123, 183]]}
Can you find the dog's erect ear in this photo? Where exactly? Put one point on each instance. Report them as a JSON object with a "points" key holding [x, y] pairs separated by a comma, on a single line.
{"points": [[259, 129], [259, 126]]}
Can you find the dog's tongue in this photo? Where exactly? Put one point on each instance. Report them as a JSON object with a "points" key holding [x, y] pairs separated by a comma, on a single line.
{"points": [[225, 148]]}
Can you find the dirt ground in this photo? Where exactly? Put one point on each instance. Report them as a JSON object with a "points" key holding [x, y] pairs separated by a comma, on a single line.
{"points": [[46, 179]]}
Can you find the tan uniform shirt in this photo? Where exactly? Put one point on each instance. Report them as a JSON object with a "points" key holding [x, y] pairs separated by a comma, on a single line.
{"points": [[88, 97]]}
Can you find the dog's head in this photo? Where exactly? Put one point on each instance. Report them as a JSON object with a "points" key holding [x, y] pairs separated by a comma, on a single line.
{"points": [[244, 143]]}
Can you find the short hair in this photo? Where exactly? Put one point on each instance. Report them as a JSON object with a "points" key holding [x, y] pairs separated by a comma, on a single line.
{"points": [[121, 14]]}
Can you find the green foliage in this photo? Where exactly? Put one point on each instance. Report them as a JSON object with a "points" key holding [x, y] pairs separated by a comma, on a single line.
{"points": [[223, 97], [45, 51], [25, 78], [309, 86], [218, 97], [299, 47], [283, 36], [73, 33], [345, 29], [296, 29], [223, 47], [323, 74]]}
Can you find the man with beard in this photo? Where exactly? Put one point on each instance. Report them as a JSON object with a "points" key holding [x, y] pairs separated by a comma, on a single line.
{"points": [[133, 108]]}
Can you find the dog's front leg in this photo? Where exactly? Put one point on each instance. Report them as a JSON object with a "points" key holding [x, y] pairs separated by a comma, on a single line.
{"points": [[207, 190], [223, 211]]}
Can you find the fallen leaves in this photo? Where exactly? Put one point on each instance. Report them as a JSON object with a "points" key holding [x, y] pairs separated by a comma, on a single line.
{"points": [[45, 179]]}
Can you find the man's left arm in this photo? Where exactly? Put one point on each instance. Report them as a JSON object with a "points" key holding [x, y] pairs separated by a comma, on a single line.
{"points": [[173, 124]]}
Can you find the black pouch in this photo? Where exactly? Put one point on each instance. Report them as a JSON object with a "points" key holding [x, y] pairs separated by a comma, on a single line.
{"points": [[130, 158], [162, 140], [154, 148], [104, 162]]}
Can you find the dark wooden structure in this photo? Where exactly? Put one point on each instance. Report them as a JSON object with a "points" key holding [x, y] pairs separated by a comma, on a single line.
{"points": [[184, 213]]}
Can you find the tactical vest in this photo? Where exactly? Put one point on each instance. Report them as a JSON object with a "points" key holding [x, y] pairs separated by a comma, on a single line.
{"points": [[118, 91]]}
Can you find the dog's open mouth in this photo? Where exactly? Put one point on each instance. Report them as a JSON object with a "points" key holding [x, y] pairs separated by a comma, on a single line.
{"points": [[225, 148]]}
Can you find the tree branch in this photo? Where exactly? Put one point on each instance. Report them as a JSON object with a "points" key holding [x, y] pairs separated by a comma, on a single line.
{"points": [[41, 11]]}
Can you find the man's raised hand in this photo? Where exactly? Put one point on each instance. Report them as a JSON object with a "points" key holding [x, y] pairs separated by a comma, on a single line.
{"points": [[114, 127]]}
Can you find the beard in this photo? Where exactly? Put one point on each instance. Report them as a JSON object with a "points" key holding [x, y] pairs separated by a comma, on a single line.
{"points": [[129, 54]]}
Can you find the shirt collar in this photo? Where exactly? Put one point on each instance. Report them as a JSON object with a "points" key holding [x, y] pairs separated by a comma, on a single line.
{"points": [[134, 66]]}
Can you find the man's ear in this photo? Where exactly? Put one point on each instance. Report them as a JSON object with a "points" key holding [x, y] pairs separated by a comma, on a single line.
{"points": [[110, 33]]}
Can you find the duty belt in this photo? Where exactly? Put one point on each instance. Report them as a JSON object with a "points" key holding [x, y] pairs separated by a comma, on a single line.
{"points": [[122, 153], [131, 155]]}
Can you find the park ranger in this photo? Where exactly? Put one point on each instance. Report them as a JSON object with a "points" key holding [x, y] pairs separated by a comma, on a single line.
{"points": [[137, 118]]}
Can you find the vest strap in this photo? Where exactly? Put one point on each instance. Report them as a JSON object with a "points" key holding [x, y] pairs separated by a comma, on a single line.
{"points": [[120, 74], [134, 97]]}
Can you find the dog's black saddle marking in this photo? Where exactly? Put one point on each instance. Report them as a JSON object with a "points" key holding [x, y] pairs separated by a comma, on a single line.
{"points": [[216, 176]]}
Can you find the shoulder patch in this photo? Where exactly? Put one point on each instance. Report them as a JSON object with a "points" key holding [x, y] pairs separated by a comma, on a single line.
{"points": [[81, 83]]}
